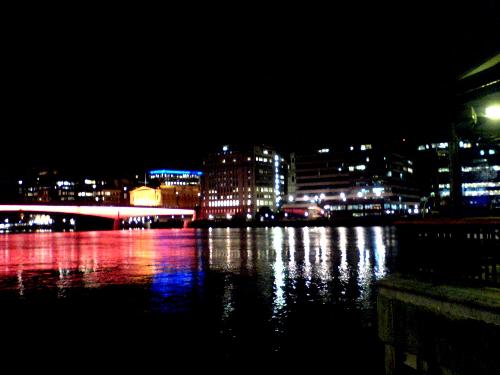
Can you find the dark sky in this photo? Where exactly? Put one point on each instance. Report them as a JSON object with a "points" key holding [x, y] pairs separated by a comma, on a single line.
{"points": [[115, 92]]}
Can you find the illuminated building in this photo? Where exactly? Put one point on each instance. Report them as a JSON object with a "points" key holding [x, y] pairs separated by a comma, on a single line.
{"points": [[173, 188], [241, 181], [166, 196], [352, 180], [145, 196], [51, 186], [480, 173], [174, 177]]}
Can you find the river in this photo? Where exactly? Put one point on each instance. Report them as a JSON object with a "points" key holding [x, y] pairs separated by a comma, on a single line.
{"points": [[280, 297]]}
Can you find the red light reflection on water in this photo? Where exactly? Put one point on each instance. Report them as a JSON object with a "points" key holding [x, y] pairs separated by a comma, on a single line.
{"points": [[94, 259]]}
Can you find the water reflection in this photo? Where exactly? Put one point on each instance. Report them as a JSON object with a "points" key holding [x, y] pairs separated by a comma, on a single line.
{"points": [[273, 283]]}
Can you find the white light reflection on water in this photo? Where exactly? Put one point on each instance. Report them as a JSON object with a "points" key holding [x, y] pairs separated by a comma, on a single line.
{"points": [[364, 267], [292, 264], [324, 275], [279, 301], [379, 252], [324, 249], [20, 282], [344, 270], [307, 252], [249, 250]]}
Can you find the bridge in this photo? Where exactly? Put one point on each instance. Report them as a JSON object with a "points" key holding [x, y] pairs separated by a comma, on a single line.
{"points": [[116, 213]]}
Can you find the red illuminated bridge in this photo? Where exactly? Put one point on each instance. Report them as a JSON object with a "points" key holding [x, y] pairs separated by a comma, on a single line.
{"points": [[109, 212]]}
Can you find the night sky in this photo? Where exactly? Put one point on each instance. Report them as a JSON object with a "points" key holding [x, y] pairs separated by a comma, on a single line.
{"points": [[123, 93]]}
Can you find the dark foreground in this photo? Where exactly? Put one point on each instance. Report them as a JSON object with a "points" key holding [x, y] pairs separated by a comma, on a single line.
{"points": [[228, 299]]}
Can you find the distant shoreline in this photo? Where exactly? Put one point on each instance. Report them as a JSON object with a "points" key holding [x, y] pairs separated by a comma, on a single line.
{"points": [[344, 222]]}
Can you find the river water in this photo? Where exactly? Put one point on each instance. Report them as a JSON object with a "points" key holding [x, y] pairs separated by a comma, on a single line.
{"points": [[255, 297]]}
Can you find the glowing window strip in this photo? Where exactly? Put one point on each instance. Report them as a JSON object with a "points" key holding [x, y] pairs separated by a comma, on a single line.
{"points": [[174, 171]]}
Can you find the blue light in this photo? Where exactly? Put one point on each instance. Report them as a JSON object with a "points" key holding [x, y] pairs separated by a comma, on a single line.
{"points": [[174, 171]]}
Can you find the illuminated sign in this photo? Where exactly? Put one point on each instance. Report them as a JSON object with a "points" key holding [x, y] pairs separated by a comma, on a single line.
{"points": [[174, 171]]}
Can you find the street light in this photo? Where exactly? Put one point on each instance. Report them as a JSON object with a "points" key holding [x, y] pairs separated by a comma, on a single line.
{"points": [[493, 112]]}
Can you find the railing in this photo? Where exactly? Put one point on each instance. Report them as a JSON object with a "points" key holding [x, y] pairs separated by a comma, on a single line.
{"points": [[463, 251]]}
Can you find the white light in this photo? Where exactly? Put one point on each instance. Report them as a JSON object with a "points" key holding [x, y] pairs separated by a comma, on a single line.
{"points": [[324, 150], [359, 194], [306, 214], [322, 196], [290, 198], [210, 217], [306, 197], [225, 148], [378, 191], [72, 221], [266, 152], [228, 216], [20, 182], [249, 216], [493, 112]]}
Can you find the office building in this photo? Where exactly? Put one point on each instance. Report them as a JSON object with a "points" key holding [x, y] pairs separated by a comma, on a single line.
{"points": [[242, 182], [51, 186], [352, 180], [479, 174]]}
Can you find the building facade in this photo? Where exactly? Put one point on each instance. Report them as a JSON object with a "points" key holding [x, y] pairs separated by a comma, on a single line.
{"points": [[168, 196], [50, 186], [479, 174], [352, 180], [170, 188], [242, 181], [174, 177]]}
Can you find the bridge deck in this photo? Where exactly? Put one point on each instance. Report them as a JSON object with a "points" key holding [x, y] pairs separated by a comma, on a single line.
{"points": [[110, 212]]}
